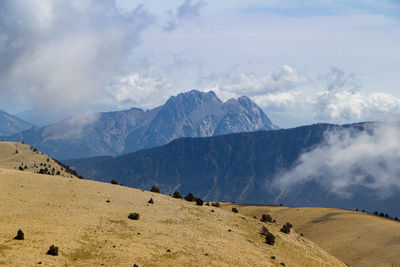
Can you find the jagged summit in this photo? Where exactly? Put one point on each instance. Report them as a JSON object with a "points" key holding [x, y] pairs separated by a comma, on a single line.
{"points": [[189, 114]]}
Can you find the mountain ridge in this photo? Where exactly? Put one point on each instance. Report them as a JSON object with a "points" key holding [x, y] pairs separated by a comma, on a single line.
{"points": [[10, 124], [193, 113]]}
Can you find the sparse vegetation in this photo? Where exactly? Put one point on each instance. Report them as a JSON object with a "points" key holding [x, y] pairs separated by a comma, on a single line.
{"points": [[155, 189], [235, 210], [264, 230], [53, 251], [216, 204], [176, 194], [190, 197], [266, 218], [134, 216], [286, 228], [20, 235], [270, 239], [199, 201]]}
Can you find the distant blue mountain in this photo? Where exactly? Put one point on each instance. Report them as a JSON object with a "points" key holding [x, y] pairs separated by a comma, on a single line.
{"points": [[237, 167], [190, 114], [10, 124]]}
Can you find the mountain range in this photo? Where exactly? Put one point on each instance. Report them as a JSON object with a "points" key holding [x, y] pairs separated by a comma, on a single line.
{"points": [[190, 114], [10, 124], [236, 167]]}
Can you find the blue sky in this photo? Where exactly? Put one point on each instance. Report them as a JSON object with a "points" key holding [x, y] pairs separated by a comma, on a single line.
{"points": [[301, 61]]}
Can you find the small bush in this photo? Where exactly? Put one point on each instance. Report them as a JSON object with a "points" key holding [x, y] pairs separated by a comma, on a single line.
{"points": [[216, 204], [286, 228], [176, 194], [266, 218], [190, 197], [20, 168], [151, 201], [135, 265], [20, 235], [235, 210], [114, 181], [53, 251], [270, 239], [199, 201], [264, 230], [155, 189], [134, 216]]}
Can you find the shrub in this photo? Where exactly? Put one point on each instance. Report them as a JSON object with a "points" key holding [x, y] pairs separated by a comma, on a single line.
{"points": [[135, 265], [155, 189], [266, 218], [20, 235], [270, 239], [176, 194], [286, 228], [20, 168], [53, 250], [190, 197], [134, 216], [216, 204], [199, 201], [264, 230], [114, 181], [235, 210], [151, 201]]}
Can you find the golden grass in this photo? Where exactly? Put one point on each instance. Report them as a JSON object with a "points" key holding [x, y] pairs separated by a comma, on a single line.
{"points": [[356, 238], [73, 214]]}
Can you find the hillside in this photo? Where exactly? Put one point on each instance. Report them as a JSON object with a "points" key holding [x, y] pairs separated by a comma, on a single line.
{"points": [[88, 221], [10, 124], [23, 157], [190, 114], [358, 239]]}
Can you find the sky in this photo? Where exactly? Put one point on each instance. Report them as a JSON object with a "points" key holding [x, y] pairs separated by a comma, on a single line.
{"points": [[303, 62]]}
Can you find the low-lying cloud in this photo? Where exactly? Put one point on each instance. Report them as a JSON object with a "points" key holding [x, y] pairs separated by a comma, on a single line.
{"points": [[348, 158]]}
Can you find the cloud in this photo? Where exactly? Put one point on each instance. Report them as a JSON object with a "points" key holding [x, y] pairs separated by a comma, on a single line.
{"points": [[349, 158], [61, 55], [188, 10], [276, 90], [342, 99], [139, 91]]}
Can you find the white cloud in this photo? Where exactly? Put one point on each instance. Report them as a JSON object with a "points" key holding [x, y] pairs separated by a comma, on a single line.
{"points": [[349, 158], [60, 55], [277, 90], [139, 91], [350, 106]]}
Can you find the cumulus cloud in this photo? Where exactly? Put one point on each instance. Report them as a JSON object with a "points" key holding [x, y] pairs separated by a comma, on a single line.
{"points": [[62, 54], [276, 90], [342, 99], [139, 91], [188, 10], [349, 158]]}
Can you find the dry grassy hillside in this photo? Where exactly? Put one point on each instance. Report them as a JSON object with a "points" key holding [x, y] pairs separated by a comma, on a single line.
{"points": [[356, 238], [89, 223], [23, 157]]}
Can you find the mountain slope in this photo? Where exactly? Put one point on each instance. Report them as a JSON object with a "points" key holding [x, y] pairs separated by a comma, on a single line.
{"points": [[357, 238], [75, 216], [191, 114], [24, 158], [238, 167], [10, 124]]}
